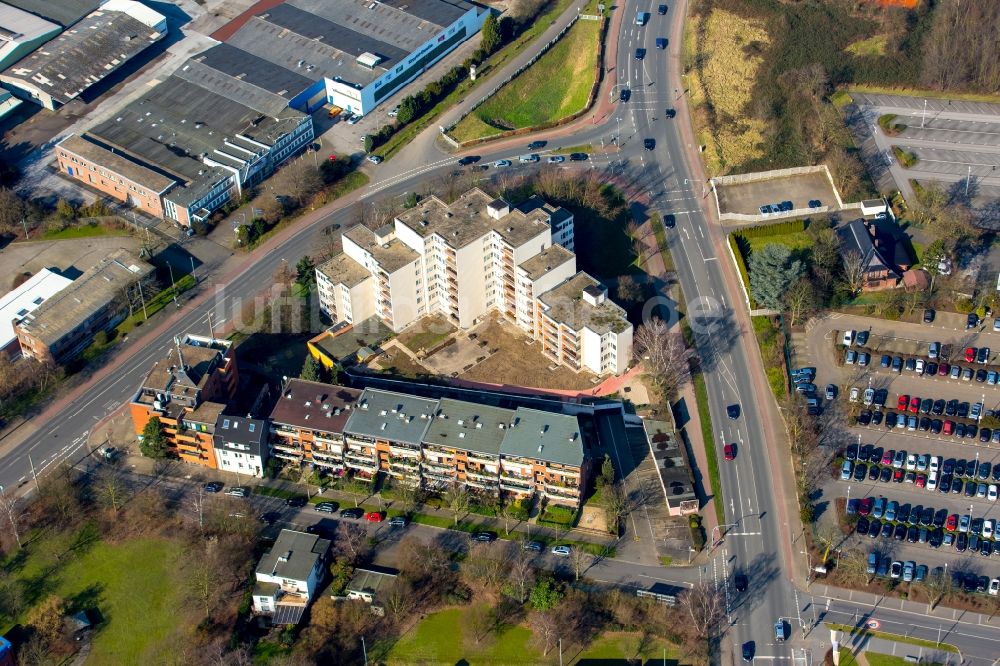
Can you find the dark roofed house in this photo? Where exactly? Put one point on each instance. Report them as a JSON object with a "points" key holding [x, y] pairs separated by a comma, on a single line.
{"points": [[288, 575], [877, 252]]}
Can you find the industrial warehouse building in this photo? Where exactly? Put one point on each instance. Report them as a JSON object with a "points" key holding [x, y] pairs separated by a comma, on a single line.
{"points": [[230, 115]]}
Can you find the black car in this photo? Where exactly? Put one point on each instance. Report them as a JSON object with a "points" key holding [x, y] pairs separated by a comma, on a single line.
{"points": [[740, 582], [864, 418], [578, 157], [911, 364], [951, 408], [900, 532], [640, 54], [970, 488], [928, 316], [485, 537], [925, 424], [876, 455], [897, 364], [984, 435], [296, 502], [903, 513], [971, 431], [959, 467], [468, 159], [748, 646], [537, 145], [944, 485], [862, 526], [986, 548], [873, 472], [959, 430], [984, 467], [877, 418], [662, 9], [624, 94], [669, 221], [649, 144], [935, 539], [925, 405], [862, 339], [733, 411], [671, 113], [948, 466], [932, 369], [213, 486], [851, 452], [912, 534], [874, 529], [927, 516], [963, 410], [860, 472], [956, 486], [890, 420], [352, 513], [915, 514], [961, 542], [980, 375], [936, 426], [886, 530], [938, 408], [971, 321], [940, 516], [269, 517], [885, 475]]}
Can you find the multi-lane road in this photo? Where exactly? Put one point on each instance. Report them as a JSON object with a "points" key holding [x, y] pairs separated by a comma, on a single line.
{"points": [[762, 534]]}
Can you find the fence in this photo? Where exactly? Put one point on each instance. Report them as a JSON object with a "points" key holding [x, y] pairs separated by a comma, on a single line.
{"points": [[562, 121], [742, 178]]}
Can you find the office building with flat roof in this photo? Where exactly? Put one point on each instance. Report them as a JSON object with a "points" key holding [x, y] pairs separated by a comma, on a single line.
{"points": [[65, 324], [22, 301], [21, 33], [85, 53]]}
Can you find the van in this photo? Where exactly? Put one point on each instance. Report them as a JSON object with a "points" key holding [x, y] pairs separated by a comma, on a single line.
{"points": [[525, 159], [641, 18], [872, 563], [780, 630], [334, 111]]}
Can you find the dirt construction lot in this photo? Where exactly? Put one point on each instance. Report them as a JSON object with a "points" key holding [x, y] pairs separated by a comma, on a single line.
{"points": [[747, 198]]}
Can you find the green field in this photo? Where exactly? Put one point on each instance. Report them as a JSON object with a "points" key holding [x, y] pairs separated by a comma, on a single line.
{"points": [[701, 397], [772, 354], [446, 637], [82, 231], [555, 87], [136, 586], [799, 242]]}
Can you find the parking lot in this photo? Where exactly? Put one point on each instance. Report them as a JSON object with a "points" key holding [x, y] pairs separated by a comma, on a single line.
{"points": [[747, 198], [953, 140]]}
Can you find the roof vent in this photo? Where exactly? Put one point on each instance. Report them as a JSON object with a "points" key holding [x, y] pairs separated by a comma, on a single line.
{"points": [[382, 427], [540, 446], [461, 435], [308, 403], [479, 426]]}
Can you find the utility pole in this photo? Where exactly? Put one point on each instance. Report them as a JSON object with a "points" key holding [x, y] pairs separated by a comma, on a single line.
{"points": [[967, 179], [33, 475], [173, 285], [142, 299], [923, 117], [560, 652], [364, 650], [24, 223], [211, 329]]}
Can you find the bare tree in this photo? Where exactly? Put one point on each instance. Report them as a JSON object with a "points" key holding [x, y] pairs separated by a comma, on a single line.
{"points": [[938, 587], [705, 605], [202, 577], [111, 488], [398, 598], [800, 300], [457, 498], [854, 271], [520, 577], [198, 505], [578, 557], [616, 505], [352, 539], [12, 513], [666, 356], [544, 625]]}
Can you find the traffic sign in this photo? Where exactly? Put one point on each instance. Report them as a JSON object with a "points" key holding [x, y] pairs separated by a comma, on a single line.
{"points": [[873, 624]]}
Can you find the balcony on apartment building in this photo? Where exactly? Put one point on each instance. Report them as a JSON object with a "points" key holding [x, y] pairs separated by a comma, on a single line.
{"points": [[560, 489], [482, 475], [403, 462], [492, 486], [360, 458], [480, 459]]}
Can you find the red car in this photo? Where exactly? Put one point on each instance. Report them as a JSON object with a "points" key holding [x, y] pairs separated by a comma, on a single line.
{"points": [[949, 427], [888, 456], [374, 516], [897, 476], [943, 369], [865, 507], [902, 402], [914, 405], [970, 354], [729, 450], [952, 523], [921, 480]]}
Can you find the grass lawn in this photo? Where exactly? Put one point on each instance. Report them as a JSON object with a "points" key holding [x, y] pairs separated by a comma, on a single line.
{"points": [[873, 46], [799, 242], [876, 659], [426, 333], [445, 638], [132, 582], [946, 647], [82, 231], [618, 646], [555, 87], [701, 397], [771, 353]]}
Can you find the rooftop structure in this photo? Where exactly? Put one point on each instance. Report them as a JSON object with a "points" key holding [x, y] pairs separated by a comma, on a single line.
{"points": [[470, 217], [389, 416], [62, 12], [366, 583], [341, 269], [672, 467], [73, 314], [547, 260], [23, 300], [22, 32], [86, 52], [469, 425], [581, 302], [390, 253], [314, 406], [547, 436]]}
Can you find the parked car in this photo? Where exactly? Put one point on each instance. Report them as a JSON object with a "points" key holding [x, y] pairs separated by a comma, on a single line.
{"points": [[238, 491], [352, 512], [213, 486], [325, 507], [375, 516], [535, 546], [398, 521], [562, 551], [484, 537]]}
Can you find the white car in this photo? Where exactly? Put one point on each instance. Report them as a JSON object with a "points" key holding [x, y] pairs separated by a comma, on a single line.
{"points": [[995, 586], [996, 325], [922, 462], [561, 550], [920, 366], [499, 164], [394, 111], [988, 527], [935, 464], [911, 462], [354, 120], [855, 394], [848, 338], [932, 481], [374, 159], [869, 396], [991, 492], [555, 159]]}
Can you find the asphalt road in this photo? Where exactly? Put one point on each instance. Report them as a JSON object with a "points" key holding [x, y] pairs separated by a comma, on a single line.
{"points": [[756, 541]]}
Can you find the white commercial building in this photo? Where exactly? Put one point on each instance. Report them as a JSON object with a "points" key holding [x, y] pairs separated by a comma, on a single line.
{"points": [[19, 303], [475, 256], [288, 575]]}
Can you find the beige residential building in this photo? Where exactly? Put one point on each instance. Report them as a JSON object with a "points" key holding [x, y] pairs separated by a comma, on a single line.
{"points": [[466, 259]]}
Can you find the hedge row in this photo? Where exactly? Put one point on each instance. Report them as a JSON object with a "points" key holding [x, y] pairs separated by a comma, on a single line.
{"points": [[739, 246], [779, 229]]}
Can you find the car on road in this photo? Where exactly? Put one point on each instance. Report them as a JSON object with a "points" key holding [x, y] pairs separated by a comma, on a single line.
{"points": [[484, 537], [536, 546], [624, 94], [527, 158], [374, 159], [578, 157], [740, 581], [352, 512], [375, 516], [238, 491], [733, 411], [295, 502], [729, 451], [325, 507], [671, 113], [398, 521], [780, 630], [499, 164], [640, 54], [831, 392], [555, 159], [537, 145], [468, 159], [669, 221], [562, 551], [213, 486], [747, 650], [661, 10], [649, 144]]}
